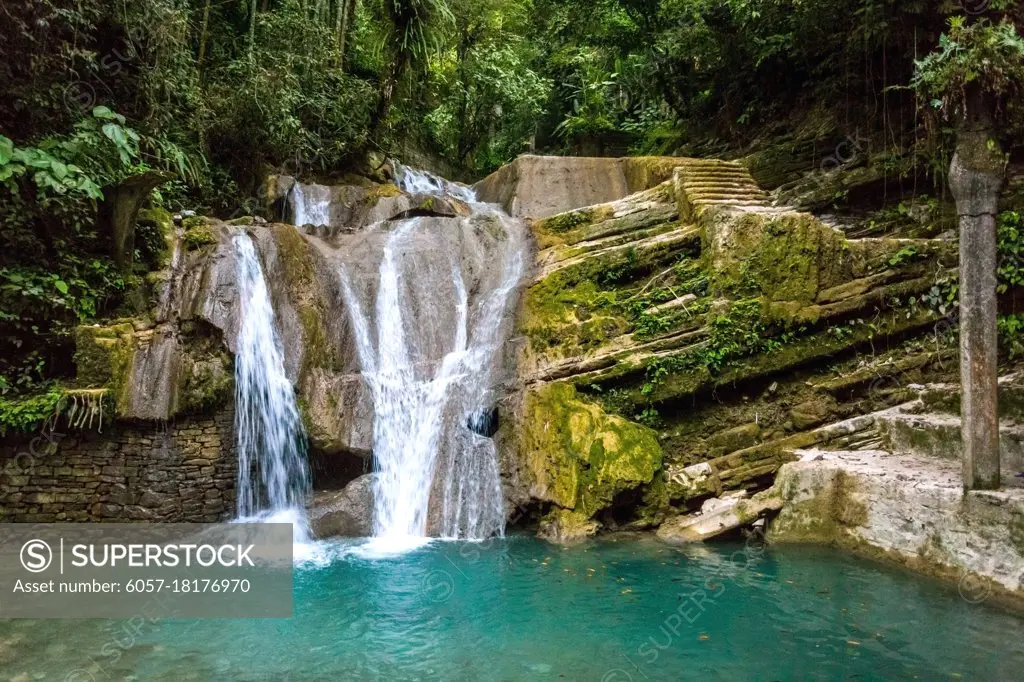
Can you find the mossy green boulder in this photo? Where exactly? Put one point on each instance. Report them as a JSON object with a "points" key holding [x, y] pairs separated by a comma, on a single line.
{"points": [[578, 456]]}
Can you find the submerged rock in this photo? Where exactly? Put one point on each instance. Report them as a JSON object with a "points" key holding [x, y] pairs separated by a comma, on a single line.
{"points": [[344, 513]]}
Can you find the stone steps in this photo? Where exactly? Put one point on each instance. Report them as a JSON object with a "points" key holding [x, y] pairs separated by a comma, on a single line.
{"points": [[703, 183]]}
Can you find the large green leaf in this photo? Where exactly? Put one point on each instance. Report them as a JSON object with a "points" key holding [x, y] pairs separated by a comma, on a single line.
{"points": [[6, 150], [106, 114]]}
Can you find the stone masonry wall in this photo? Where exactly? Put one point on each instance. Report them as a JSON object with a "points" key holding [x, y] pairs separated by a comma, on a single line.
{"points": [[178, 472]]}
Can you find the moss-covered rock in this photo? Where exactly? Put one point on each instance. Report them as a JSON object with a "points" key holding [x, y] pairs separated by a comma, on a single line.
{"points": [[192, 371], [207, 383], [388, 189], [787, 257], [580, 457], [154, 237], [565, 526], [104, 356], [300, 280], [198, 232]]}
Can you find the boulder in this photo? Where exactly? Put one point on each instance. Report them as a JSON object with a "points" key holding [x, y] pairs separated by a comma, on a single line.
{"points": [[338, 412], [579, 457], [344, 513]]}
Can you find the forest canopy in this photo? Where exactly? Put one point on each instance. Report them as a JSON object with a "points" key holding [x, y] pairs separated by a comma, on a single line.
{"points": [[208, 96]]}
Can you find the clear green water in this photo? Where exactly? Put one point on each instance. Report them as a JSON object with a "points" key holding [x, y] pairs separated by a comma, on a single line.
{"points": [[518, 609]]}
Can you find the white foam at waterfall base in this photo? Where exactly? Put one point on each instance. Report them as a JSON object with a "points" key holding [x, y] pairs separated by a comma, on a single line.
{"points": [[273, 474], [311, 204], [424, 399]]}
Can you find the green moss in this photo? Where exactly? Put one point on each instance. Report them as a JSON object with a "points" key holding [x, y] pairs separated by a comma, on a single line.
{"points": [[655, 504], [566, 525], [154, 237], [208, 384], [787, 257], [670, 377], [198, 232], [581, 457], [122, 359], [570, 319], [389, 189], [104, 355], [642, 172], [563, 222]]}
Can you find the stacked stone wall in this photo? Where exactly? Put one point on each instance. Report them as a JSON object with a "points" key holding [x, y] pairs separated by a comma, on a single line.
{"points": [[182, 471]]}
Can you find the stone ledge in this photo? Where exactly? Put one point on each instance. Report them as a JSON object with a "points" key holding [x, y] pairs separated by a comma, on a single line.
{"points": [[908, 509]]}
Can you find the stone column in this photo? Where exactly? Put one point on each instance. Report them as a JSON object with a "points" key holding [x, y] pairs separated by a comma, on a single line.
{"points": [[976, 176]]}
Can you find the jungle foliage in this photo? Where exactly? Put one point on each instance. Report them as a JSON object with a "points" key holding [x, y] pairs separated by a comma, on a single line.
{"points": [[217, 94]]}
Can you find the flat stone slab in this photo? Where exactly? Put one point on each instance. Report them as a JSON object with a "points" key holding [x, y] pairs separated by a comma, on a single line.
{"points": [[908, 508], [542, 186]]}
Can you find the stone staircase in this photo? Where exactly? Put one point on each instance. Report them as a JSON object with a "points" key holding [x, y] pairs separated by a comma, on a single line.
{"points": [[700, 183]]}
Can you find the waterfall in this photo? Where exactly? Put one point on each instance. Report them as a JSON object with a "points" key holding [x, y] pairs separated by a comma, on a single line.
{"points": [[429, 348], [416, 181], [273, 474], [311, 204]]}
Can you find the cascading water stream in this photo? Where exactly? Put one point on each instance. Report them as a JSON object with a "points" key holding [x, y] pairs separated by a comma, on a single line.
{"points": [[311, 204], [429, 349], [273, 474]]}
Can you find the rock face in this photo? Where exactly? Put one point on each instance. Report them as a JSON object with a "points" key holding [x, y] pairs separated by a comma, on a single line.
{"points": [[892, 488], [684, 340], [680, 339], [541, 186], [344, 513], [579, 457], [176, 359]]}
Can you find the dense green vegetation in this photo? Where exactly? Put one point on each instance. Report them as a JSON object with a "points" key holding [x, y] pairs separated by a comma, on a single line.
{"points": [[216, 94]]}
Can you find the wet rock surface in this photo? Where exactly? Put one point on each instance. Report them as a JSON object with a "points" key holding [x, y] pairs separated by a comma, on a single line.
{"points": [[344, 513]]}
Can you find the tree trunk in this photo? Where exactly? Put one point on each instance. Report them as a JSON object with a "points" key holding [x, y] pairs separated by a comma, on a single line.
{"points": [[252, 31], [203, 32], [340, 29], [976, 176], [387, 90]]}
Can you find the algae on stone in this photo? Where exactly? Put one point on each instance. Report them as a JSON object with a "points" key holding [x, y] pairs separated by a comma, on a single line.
{"points": [[580, 457], [198, 233]]}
